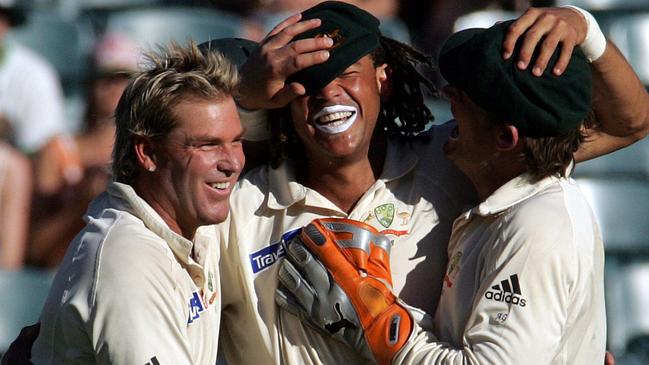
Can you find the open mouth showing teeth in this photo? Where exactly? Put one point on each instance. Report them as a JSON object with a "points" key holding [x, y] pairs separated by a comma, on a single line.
{"points": [[335, 119], [220, 185]]}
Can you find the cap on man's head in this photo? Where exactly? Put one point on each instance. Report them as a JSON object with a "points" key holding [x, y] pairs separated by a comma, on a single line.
{"points": [[236, 50], [539, 107], [13, 12], [355, 33]]}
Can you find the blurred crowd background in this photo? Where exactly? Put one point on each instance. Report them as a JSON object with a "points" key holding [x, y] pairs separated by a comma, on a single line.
{"points": [[64, 64]]}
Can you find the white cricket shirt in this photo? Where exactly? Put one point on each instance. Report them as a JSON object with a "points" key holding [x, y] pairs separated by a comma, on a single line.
{"points": [[524, 283], [130, 292], [414, 203]]}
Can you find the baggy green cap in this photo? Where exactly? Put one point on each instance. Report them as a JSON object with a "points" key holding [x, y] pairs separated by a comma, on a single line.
{"points": [[539, 107], [355, 33], [236, 50]]}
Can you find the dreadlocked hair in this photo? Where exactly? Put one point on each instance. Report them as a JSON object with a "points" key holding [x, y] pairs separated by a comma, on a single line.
{"points": [[404, 113], [284, 141]]}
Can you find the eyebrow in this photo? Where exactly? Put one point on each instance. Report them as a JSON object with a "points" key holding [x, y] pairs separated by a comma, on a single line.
{"points": [[189, 139], [357, 63]]}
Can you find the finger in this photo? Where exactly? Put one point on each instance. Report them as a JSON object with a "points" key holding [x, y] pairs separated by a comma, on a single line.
{"points": [[310, 269], [287, 94], [531, 41], [299, 62], [309, 45], [287, 301], [564, 58], [547, 48], [516, 29], [286, 35], [283, 24], [293, 281]]}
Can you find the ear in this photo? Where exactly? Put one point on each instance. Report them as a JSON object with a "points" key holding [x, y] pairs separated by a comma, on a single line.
{"points": [[145, 153], [507, 138], [383, 81]]}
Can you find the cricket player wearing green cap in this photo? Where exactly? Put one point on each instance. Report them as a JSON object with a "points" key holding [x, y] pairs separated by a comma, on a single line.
{"points": [[348, 143], [525, 280]]}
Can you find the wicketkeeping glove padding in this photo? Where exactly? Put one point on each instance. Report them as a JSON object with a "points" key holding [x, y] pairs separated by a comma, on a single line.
{"points": [[337, 278]]}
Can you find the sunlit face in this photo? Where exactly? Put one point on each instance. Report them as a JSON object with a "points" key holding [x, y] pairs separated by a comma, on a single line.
{"points": [[471, 145], [199, 162], [338, 121]]}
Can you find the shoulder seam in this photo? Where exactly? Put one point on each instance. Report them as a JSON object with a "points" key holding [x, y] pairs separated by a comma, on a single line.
{"points": [[100, 249]]}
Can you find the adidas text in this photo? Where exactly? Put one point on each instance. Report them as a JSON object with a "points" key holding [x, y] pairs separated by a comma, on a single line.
{"points": [[505, 297]]}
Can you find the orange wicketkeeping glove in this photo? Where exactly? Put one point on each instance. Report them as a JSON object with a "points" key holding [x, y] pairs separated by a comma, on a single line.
{"points": [[337, 278]]}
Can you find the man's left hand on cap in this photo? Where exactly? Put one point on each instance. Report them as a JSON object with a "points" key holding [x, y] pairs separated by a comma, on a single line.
{"points": [[547, 28], [263, 83]]}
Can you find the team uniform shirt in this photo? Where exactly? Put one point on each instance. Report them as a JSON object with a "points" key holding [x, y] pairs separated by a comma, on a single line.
{"points": [[414, 203], [31, 99], [131, 291], [524, 283]]}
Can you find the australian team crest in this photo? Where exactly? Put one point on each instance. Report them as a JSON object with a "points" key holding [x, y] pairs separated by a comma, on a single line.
{"points": [[336, 35], [384, 214]]}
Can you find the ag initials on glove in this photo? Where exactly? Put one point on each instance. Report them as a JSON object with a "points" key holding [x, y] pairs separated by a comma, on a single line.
{"points": [[337, 278]]}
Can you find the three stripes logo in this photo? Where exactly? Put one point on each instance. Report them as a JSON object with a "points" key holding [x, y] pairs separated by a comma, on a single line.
{"points": [[153, 361], [508, 291]]}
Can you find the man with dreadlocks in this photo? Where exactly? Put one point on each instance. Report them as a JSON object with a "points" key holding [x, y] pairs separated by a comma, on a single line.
{"points": [[348, 143]]}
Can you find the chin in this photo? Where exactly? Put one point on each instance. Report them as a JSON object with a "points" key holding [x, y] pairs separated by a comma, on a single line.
{"points": [[216, 216]]}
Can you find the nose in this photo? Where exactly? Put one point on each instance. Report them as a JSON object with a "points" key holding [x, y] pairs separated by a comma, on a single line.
{"points": [[232, 160], [330, 91]]}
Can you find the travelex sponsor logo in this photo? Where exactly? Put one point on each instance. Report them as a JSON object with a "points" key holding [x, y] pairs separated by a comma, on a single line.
{"points": [[195, 307], [267, 256], [508, 291]]}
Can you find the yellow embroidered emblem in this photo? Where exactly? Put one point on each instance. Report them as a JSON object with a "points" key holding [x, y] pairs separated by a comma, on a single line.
{"points": [[336, 35]]}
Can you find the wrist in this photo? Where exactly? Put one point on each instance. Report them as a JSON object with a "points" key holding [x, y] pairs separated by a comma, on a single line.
{"points": [[594, 44]]}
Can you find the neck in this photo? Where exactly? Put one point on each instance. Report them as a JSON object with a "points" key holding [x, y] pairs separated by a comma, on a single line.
{"points": [[344, 181], [489, 179], [155, 198]]}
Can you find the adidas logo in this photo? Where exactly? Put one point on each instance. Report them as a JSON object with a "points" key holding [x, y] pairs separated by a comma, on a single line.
{"points": [[508, 291]]}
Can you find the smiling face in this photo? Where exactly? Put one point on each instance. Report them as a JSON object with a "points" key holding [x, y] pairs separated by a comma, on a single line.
{"points": [[199, 161], [338, 121]]}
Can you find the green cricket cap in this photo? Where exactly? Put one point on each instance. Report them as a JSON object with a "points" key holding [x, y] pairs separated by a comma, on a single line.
{"points": [[539, 107], [355, 33], [236, 50]]}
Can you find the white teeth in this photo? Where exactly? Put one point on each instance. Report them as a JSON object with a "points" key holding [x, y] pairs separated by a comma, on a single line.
{"points": [[220, 185], [335, 118]]}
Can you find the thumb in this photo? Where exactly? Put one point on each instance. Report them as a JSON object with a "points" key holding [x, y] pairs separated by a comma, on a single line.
{"points": [[288, 93]]}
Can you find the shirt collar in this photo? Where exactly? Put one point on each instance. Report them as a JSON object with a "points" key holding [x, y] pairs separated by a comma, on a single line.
{"points": [[513, 192], [284, 190], [131, 202]]}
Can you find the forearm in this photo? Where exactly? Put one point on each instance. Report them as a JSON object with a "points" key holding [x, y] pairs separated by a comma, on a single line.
{"points": [[424, 348], [620, 101]]}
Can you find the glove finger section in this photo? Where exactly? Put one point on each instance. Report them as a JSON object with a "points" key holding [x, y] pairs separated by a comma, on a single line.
{"points": [[287, 301], [293, 281], [298, 253], [310, 268]]}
